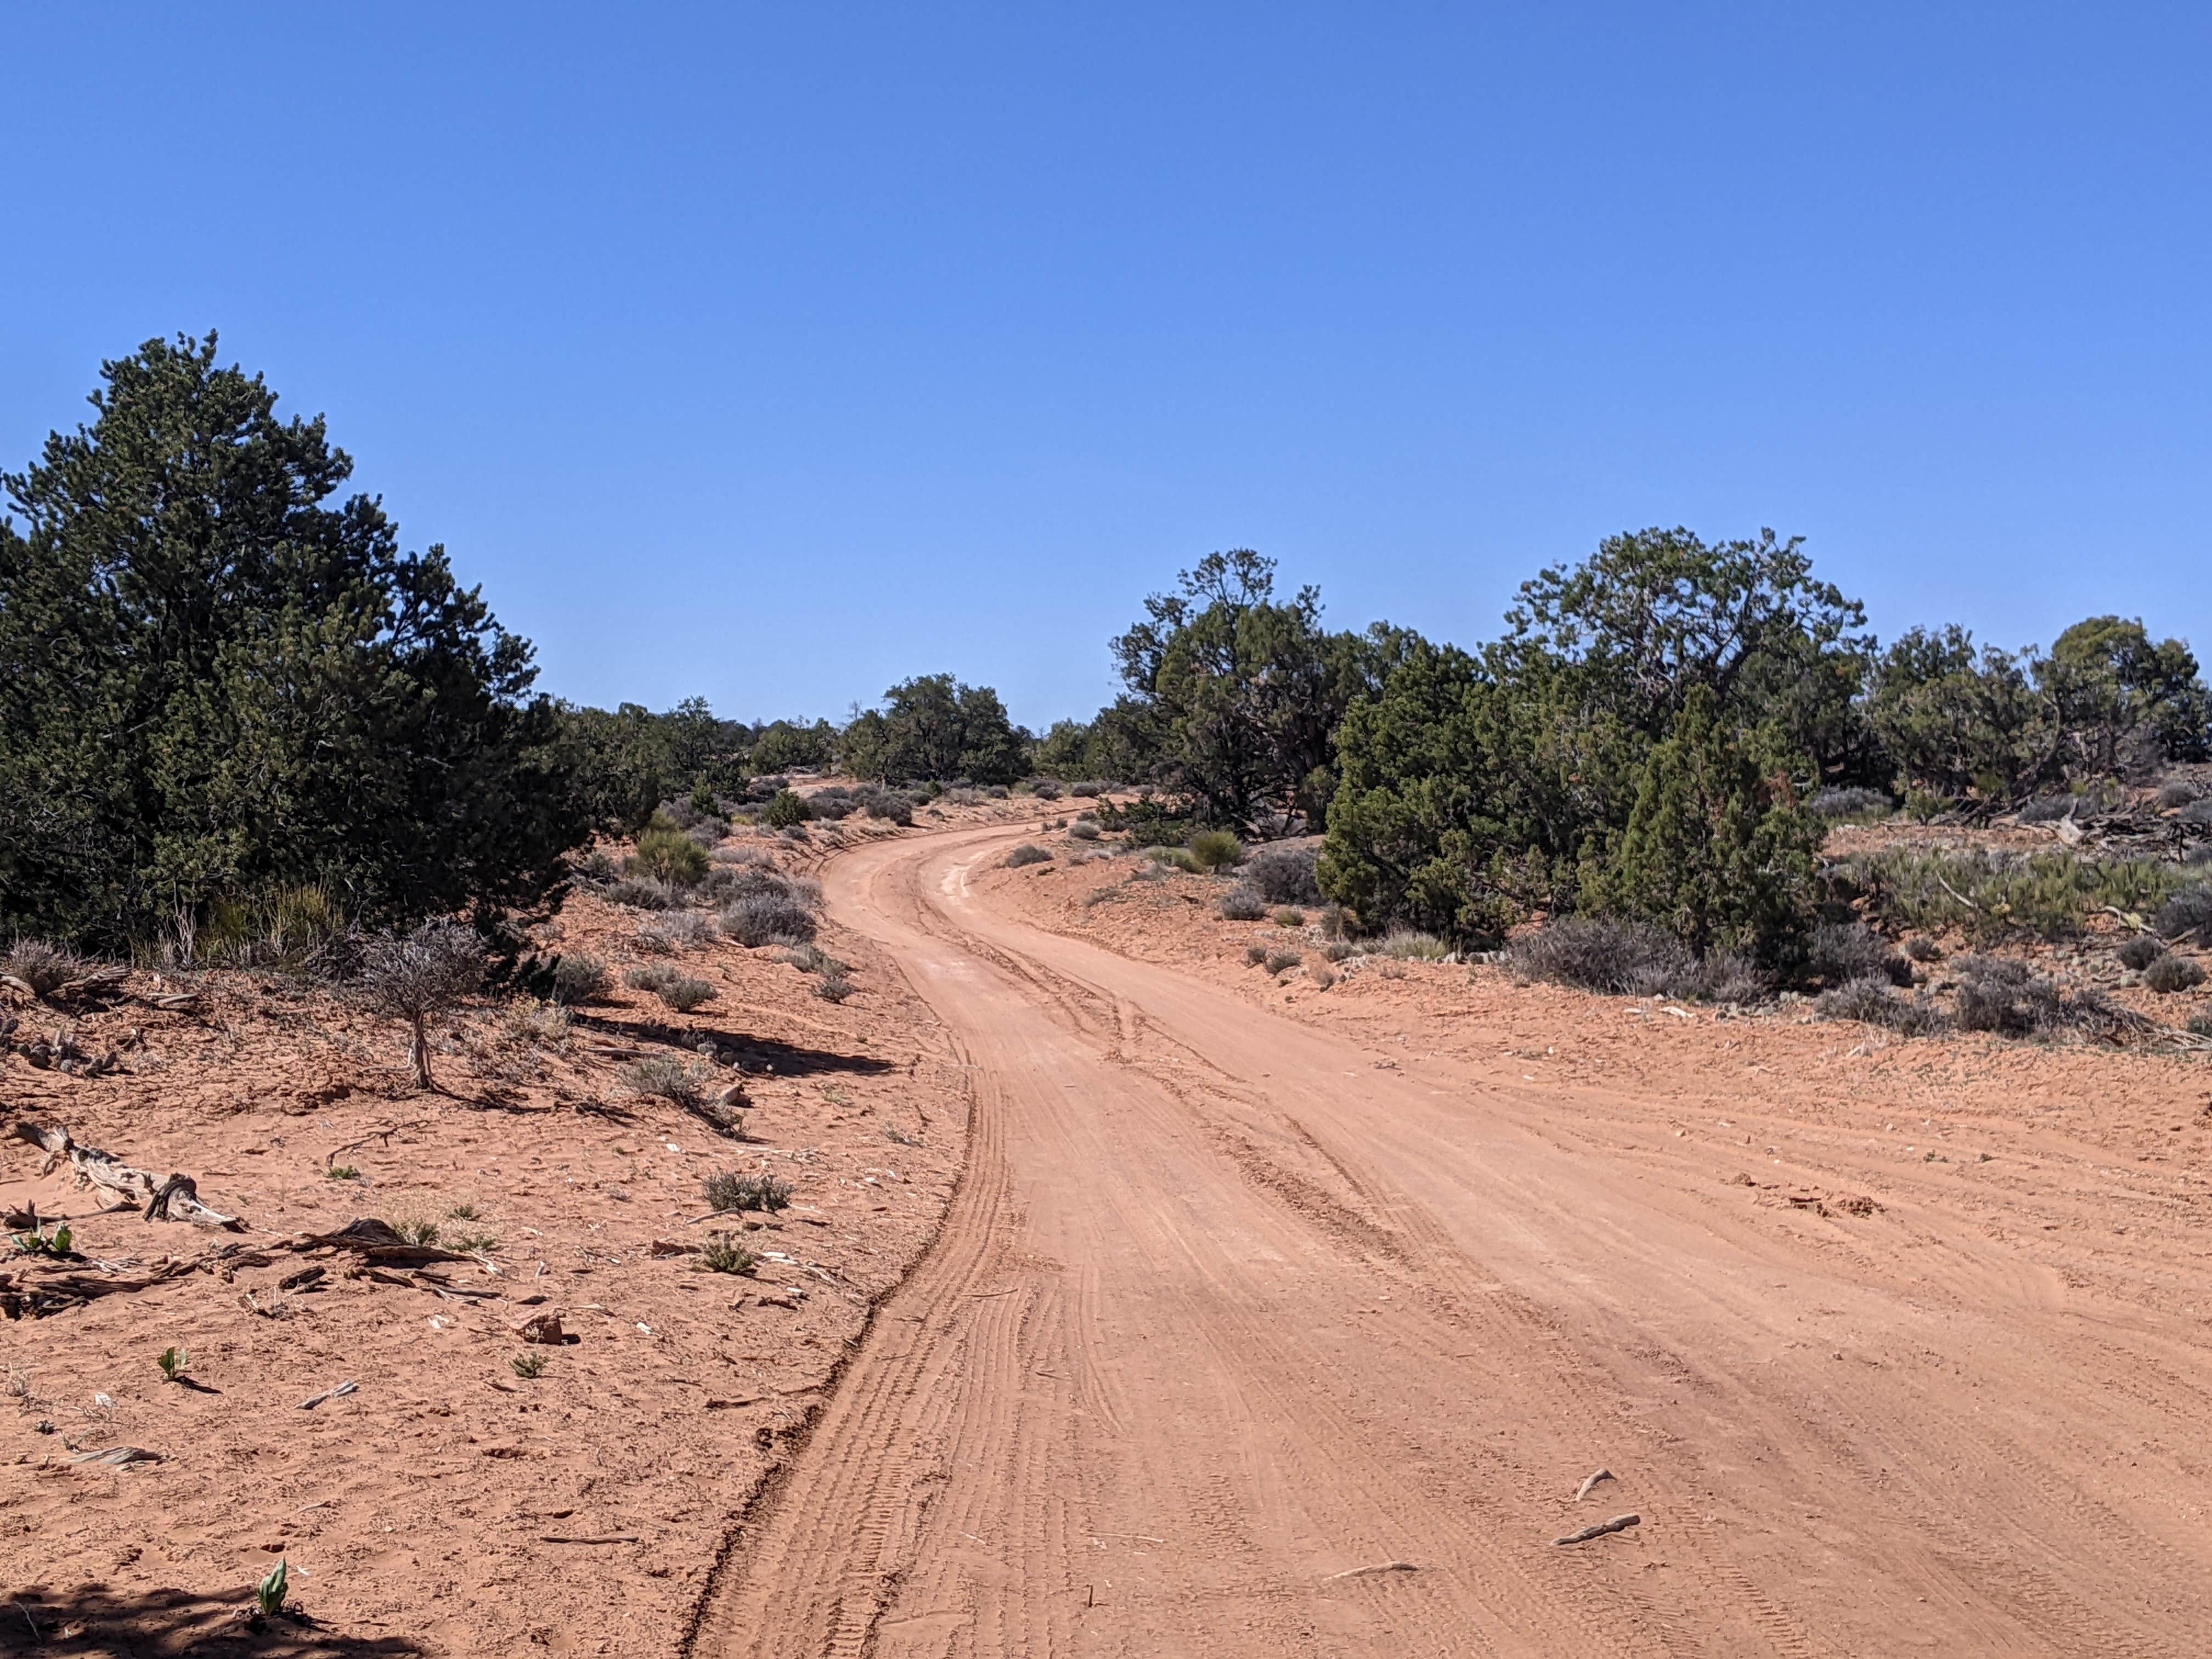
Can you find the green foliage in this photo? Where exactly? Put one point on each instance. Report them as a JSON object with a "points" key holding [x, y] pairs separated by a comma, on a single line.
{"points": [[703, 800], [174, 1363], [269, 1594], [1716, 850], [341, 1172], [1233, 697], [528, 1366], [665, 853], [1216, 849], [785, 746], [213, 682], [727, 1190], [721, 1256], [1288, 917], [38, 1242], [933, 727], [418, 1229], [785, 808], [281, 927], [1993, 896]]}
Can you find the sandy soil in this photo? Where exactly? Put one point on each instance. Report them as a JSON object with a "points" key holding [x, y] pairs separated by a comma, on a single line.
{"points": [[1272, 1320], [450, 1505]]}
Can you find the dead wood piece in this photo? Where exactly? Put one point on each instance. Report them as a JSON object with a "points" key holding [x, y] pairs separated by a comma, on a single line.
{"points": [[120, 1457], [338, 1393], [608, 1538], [303, 1279], [176, 1198], [376, 1241], [1584, 1490], [1619, 1524], [38, 1293], [1369, 1572], [171, 1001]]}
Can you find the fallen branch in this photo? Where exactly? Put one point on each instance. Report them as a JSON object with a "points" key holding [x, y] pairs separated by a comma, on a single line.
{"points": [[176, 1198], [1619, 1524], [1583, 1490]]}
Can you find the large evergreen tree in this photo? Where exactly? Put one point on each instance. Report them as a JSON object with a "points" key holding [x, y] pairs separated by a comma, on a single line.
{"points": [[215, 679]]}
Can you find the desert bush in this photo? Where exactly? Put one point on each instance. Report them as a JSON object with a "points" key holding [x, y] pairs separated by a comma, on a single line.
{"points": [[540, 1022], [1286, 916], [1871, 1002], [414, 975], [786, 809], [1336, 950], [651, 977], [770, 916], [1837, 953], [1923, 949], [664, 1077], [720, 1255], [2139, 952], [1322, 975], [2171, 974], [742, 855], [1281, 961], [834, 984], [1284, 875], [1622, 959], [2198, 811], [1242, 904], [578, 976], [1838, 805], [1254, 954], [1216, 849], [2048, 808], [1995, 896], [665, 853], [727, 1190], [279, 927], [1045, 789], [45, 968], [1027, 853], [2176, 792], [807, 958], [642, 893], [1164, 858], [708, 834], [1086, 791], [1082, 830], [679, 930], [684, 992], [2187, 914], [2007, 997], [1407, 945]]}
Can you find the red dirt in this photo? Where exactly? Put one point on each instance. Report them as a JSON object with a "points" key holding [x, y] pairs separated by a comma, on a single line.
{"points": [[1253, 1290]]}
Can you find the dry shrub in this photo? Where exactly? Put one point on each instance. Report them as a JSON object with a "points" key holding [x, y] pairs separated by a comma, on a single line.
{"points": [[1254, 954], [683, 992], [679, 930], [1286, 917], [2007, 997], [2139, 952], [1284, 875], [2171, 974], [1242, 904], [420, 973], [1082, 830], [1839, 952], [834, 985], [664, 1077], [578, 976], [2187, 914], [45, 968], [1322, 975], [727, 1190], [1028, 852], [2176, 792], [642, 893], [1281, 961], [1871, 1002], [1407, 945], [777, 914], [1630, 958]]}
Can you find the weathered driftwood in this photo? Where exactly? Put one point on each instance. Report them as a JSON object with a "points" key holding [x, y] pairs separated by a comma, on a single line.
{"points": [[373, 1240], [176, 1198], [38, 1290]]}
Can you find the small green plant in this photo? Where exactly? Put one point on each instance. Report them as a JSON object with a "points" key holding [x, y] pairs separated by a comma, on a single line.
{"points": [[341, 1172], [784, 809], [665, 853], [174, 1362], [418, 1229], [464, 1211], [703, 800], [41, 1242], [1216, 849], [727, 1190], [528, 1366], [473, 1243], [721, 1256], [269, 1594]]}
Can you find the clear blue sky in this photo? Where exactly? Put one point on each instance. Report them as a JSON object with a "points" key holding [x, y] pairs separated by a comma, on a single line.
{"points": [[774, 353]]}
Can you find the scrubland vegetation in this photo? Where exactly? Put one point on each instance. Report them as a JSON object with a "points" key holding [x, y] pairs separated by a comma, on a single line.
{"points": [[239, 726]]}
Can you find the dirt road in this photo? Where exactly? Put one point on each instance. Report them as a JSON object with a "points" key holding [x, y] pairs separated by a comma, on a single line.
{"points": [[1233, 1316]]}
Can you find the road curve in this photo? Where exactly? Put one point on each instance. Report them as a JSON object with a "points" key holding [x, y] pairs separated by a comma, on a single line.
{"points": [[1236, 1343]]}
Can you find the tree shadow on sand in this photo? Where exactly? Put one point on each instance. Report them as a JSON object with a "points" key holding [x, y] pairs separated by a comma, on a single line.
{"points": [[753, 1055], [168, 1623]]}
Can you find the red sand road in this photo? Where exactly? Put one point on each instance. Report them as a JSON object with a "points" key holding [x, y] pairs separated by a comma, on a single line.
{"points": [[1228, 1316]]}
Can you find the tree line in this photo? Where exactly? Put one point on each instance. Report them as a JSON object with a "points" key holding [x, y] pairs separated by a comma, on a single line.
{"points": [[221, 676]]}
